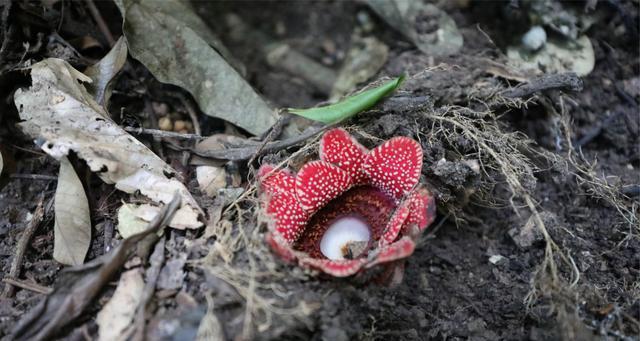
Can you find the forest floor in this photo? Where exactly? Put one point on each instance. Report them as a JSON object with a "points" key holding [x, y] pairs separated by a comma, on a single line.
{"points": [[542, 242]]}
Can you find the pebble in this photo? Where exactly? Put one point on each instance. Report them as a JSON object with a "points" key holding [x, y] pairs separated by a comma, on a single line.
{"points": [[535, 38], [165, 123]]}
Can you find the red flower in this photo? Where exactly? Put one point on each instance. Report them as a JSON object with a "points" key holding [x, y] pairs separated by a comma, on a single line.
{"points": [[351, 211]]}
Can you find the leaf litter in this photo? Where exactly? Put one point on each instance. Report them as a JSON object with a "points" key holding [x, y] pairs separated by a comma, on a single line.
{"points": [[72, 227], [63, 117], [476, 158], [172, 43]]}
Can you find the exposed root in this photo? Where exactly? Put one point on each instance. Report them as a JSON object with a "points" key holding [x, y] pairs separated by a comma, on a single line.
{"points": [[239, 231], [502, 153]]}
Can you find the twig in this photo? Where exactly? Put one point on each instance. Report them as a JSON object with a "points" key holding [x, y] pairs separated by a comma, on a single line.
{"points": [[162, 133], [156, 260], [21, 248], [40, 289], [244, 153], [192, 113], [102, 25], [275, 130], [568, 80], [34, 177]]}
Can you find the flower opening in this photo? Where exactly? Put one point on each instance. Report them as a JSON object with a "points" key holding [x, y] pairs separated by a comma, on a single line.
{"points": [[352, 210]]}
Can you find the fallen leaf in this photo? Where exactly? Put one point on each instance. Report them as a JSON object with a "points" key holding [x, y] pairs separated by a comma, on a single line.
{"points": [[72, 227], [168, 43], [556, 57], [118, 313], [349, 106], [440, 35], [76, 287], [59, 112], [129, 223], [105, 70], [211, 179]]}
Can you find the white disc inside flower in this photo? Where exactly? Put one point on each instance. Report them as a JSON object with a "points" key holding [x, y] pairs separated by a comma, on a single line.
{"points": [[343, 232]]}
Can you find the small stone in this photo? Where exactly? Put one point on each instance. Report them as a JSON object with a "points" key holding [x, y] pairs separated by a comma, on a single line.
{"points": [[535, 38], [179, 125], [165, 124], [497, 260]]}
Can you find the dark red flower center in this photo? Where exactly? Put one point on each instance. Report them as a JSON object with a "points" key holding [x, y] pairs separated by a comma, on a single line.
{"points": [[360, 206]]}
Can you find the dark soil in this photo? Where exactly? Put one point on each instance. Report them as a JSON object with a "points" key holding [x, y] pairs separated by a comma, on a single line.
{"points": [[476, 273]]}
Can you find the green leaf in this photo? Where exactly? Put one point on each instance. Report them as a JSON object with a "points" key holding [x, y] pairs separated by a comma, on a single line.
{"points": [[350, 106]]}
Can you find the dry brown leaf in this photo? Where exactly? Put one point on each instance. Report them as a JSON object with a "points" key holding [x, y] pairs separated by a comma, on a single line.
{"points": [[105, 70], [211, 179], [63, 116], [118, 313], [72, 228]]}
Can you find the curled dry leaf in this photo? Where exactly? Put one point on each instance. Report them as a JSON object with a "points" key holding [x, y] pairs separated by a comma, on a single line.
{"points": [[174, 47], [59, 112], [105, 70], [129, 220], [72, 228], [118, 313]]}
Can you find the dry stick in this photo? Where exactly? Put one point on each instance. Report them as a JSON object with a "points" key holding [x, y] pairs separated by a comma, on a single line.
{"points": [[192, 113], [163, 134], [102, 25], [34, 177], [567, 80], [35, 287], [156, 260], [14, 271], [245, 153], [275, 130]]}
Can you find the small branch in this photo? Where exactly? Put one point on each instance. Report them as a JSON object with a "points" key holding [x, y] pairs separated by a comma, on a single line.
{"points": [[156, 260], [162, 133], [568, 80], [40, 289], [245, 153], [102, 25], [192, 113], [21, 248], [34, 177]]}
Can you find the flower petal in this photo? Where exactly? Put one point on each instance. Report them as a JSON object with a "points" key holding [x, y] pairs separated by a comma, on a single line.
{"points": [[395, 166], [280, 246], [403, 248], [290, 219], [319, 182], [275, 181], [422, 210], [335, 268], [341, 149], [395, 224]]}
